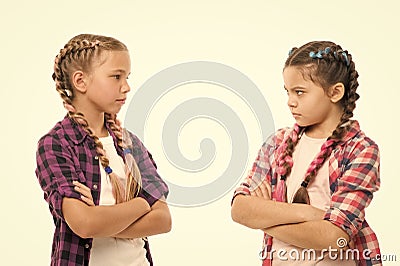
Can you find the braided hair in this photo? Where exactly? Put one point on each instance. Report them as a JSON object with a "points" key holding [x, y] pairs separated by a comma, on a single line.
{"points": [[80, 54], [324, 63]]}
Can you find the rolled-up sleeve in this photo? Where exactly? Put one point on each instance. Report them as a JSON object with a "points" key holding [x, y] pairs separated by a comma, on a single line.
{"points": [[262, 166], [55, 172], [256, 175], [153, 186], [354, 190]]}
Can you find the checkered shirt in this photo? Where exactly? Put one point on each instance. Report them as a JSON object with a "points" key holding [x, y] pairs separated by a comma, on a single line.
{"points": [[353, 175], [65, 154]]}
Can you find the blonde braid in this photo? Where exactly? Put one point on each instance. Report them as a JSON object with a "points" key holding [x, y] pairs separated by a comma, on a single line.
{"points": [[132, 172], [78, 54]]}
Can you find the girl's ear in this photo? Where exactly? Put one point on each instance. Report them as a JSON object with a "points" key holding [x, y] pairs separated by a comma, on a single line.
{"points": [[79, 79], [336, 92]]}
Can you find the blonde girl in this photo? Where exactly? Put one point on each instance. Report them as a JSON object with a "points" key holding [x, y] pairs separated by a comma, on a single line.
{"points": [[310, 184], [101, 183]]}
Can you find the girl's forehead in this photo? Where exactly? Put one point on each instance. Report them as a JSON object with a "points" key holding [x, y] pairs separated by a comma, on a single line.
{"points": [[294, 76], [293, 73], [114, 59]]}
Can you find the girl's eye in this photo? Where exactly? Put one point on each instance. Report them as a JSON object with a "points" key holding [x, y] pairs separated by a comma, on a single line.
{"points": [[117, 76], [299, 92]]}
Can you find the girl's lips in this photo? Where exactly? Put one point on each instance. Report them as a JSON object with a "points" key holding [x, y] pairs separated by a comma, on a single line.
{"points": [[122, 101], [295, 115]]}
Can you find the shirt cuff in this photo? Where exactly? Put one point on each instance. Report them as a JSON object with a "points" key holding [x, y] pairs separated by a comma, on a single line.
{"points": [[55, 200], [339, 218], [243, 189], [149, 198]]}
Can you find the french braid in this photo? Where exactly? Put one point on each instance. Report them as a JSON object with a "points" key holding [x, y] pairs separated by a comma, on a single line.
{"points": [[332, 65], [285, 161], [79, 54]]}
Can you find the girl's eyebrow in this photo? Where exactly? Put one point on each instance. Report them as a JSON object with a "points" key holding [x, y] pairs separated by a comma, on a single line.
{"points": [[295, 87], [120, 71]]}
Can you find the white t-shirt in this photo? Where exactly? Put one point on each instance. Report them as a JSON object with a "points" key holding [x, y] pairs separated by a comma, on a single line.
{"points": [[112, 251], [318, 190]]}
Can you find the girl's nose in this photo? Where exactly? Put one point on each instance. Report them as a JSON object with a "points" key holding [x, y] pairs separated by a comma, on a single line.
{"points": [[125, 87], [291, 102]]}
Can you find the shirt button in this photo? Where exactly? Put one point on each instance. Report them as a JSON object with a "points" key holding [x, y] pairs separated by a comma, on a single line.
{"points": [[96, 157], [94, 186], [86, 245]]}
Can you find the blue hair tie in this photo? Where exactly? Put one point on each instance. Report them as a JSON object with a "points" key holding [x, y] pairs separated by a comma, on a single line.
{"points": [[346, 58], [327, 50], [127, 150], [108, 169], [291, 51], [316, 55]]}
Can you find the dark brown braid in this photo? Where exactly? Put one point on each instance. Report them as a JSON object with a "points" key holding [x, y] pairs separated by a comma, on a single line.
{"points": [[331, 66], [80, 53]]}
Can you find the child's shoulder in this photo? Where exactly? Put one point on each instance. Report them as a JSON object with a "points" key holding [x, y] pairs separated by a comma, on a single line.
{"points": [[61, 130], [279, 135], [357, 137], [129, 138], [356, 143], [276, 138]]}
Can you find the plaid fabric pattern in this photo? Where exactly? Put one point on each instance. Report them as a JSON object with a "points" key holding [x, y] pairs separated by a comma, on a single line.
{"points": [[353, 176], [153, 187], [67, 154]]}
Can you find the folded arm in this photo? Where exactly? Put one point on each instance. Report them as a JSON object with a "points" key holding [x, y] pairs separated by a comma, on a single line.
{"points": [[256, 210], [318, 235], [157, 221], [260, 213], [102, 221]]}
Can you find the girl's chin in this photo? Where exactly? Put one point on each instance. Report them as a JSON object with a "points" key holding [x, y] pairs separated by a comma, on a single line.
{"points": [[301, 123], [114, 110]]}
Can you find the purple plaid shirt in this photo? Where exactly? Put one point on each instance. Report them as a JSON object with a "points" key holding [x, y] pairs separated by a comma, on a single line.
{"points": [[67, 154]]}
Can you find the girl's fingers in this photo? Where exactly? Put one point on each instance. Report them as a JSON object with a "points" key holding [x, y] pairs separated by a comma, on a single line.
{"points": [[259, 188], [87, 198], [253, 192], [258, 192], [88, 201], [81, 186], [86, 194], [264, 190]]}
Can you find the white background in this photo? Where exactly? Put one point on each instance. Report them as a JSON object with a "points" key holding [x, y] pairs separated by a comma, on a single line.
{"points": [[251, 36]]}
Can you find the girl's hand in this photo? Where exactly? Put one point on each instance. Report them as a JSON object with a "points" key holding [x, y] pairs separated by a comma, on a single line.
{"points": [[86, 194], [263, 190]]}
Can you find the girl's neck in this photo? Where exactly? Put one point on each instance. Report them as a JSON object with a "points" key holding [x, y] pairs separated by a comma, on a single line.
{"points": [[95, 121], [326, 127], [316, 132], [99, 128]]}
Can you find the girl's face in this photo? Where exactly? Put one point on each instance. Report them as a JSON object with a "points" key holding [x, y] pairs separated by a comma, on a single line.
{"points": [[309, 104], [107, 86]]}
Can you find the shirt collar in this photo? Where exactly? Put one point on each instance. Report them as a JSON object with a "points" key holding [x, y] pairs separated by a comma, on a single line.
{"points": [[76, 133], [353, 130]]}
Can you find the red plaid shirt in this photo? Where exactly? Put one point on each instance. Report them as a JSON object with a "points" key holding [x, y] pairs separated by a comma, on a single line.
{"points": [[66, 154], [353, 176]]}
